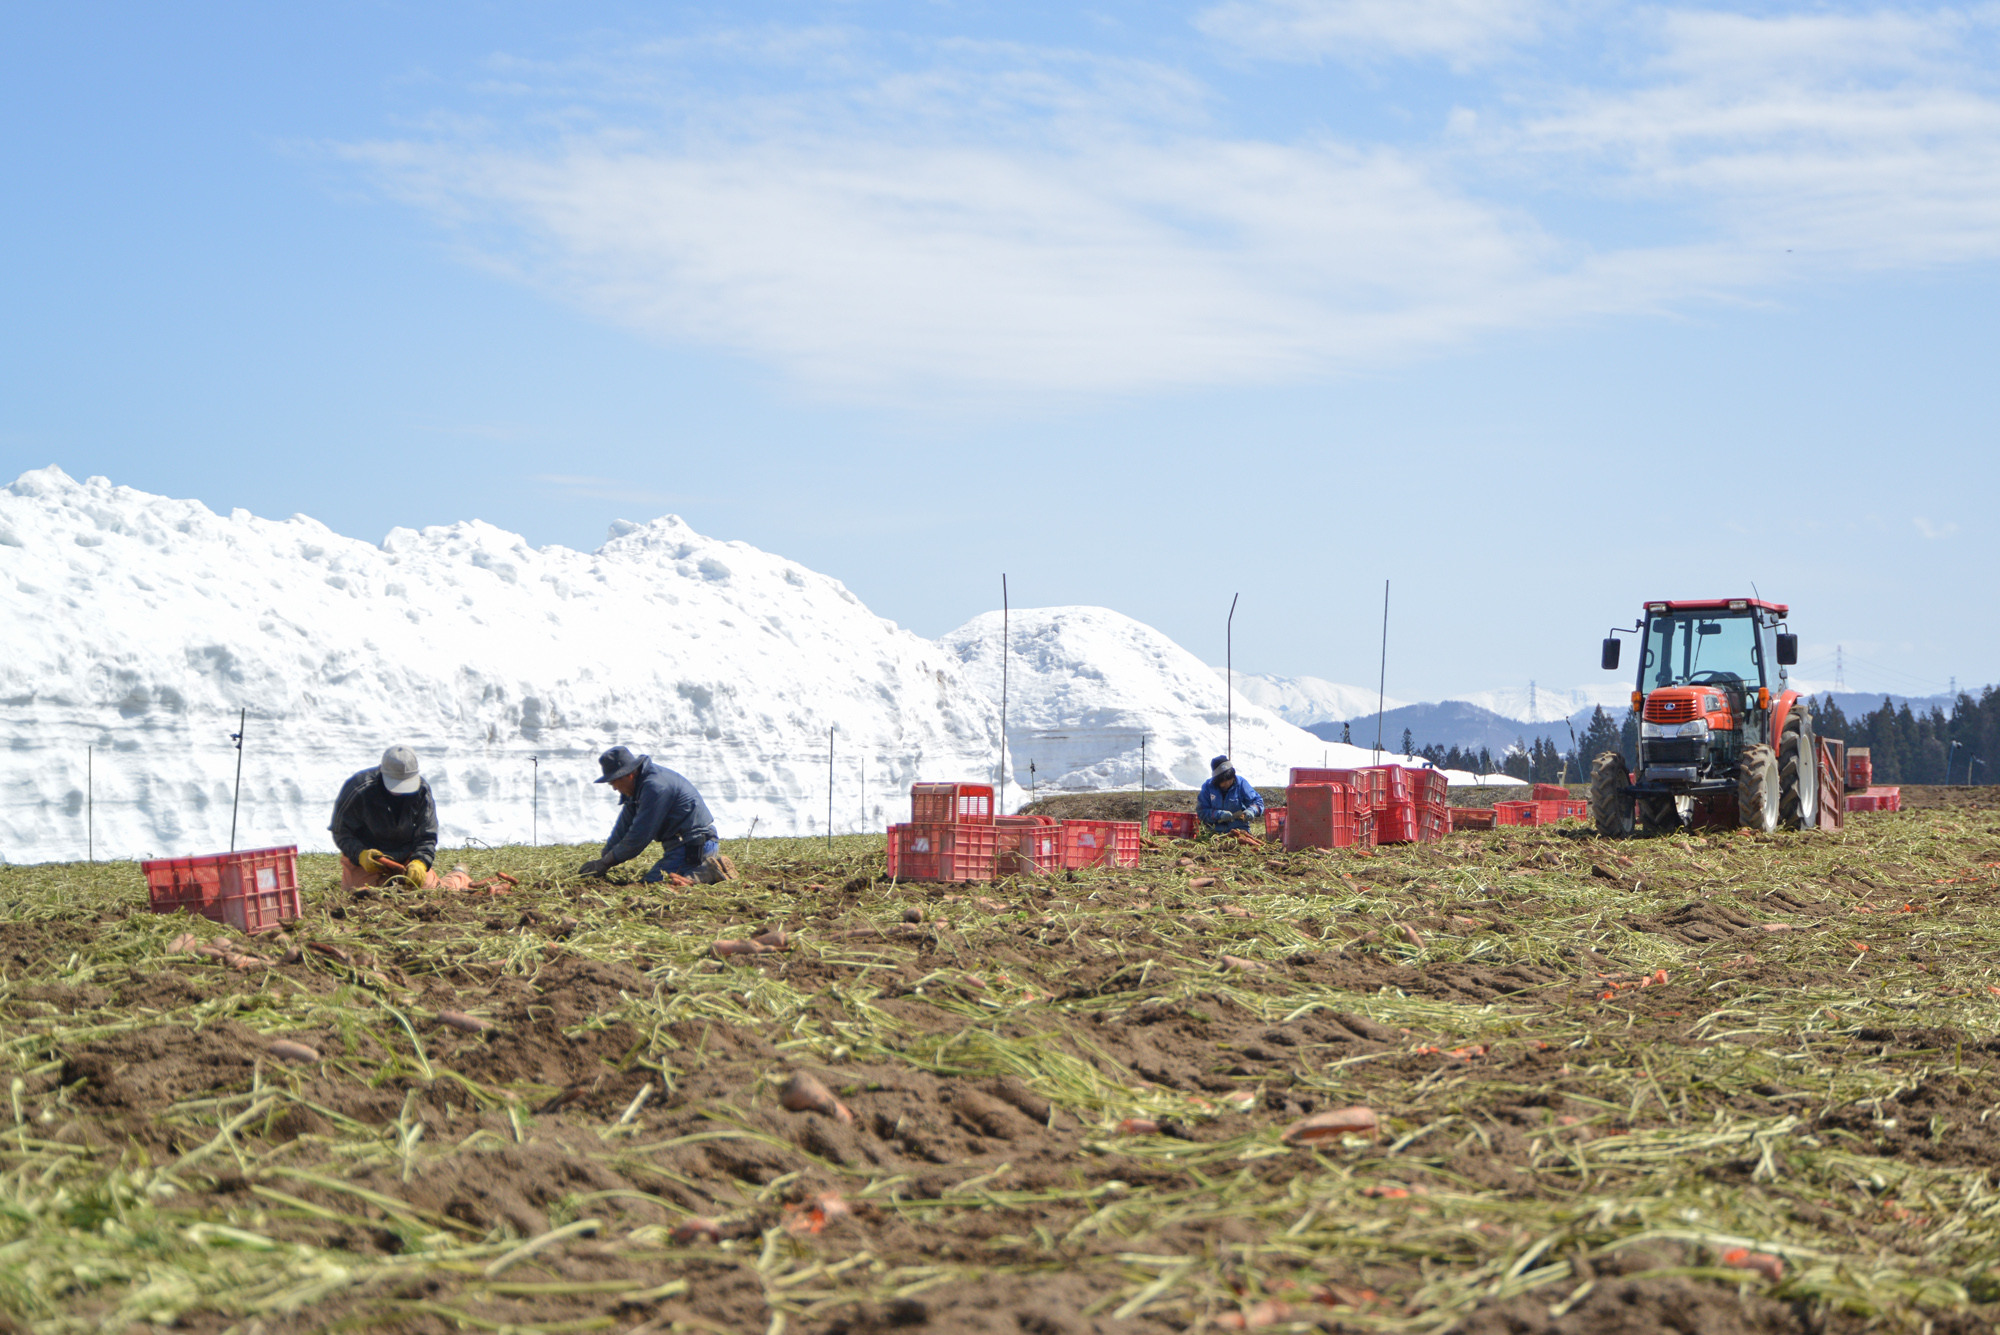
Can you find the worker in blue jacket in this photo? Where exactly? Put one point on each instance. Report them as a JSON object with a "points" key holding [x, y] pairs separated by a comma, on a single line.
{"points": [[1226, 802], [657, 804]]}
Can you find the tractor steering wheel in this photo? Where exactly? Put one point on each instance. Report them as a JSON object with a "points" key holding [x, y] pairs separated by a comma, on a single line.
{"points": [[1715, 677]]}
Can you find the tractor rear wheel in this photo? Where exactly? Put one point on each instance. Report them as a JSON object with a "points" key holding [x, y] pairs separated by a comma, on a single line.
{"points": [[1610, 809], [1798, 777], [1757, 789]]}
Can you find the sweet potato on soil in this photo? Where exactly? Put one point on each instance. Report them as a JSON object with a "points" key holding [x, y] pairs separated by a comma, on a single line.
{"points": [[289, 1051], [804, 1093], [1331, 1125]]}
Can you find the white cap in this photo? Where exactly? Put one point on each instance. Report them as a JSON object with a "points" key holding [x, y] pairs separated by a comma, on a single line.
{"points": [[399, 770]]}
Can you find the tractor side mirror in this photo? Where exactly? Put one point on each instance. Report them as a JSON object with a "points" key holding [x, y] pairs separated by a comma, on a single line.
{"points": [[1788, 650], [1610, 657]]}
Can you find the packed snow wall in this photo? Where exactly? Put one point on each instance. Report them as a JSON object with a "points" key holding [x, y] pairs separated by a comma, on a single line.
{"points": [[136, 627], [1096, 700]]}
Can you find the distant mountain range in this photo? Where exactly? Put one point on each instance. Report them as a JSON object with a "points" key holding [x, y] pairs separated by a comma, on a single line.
{"points": [[1495, 719]]}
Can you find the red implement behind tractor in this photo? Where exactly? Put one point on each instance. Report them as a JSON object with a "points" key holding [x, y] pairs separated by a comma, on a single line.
{"points": [[1720, 732]]}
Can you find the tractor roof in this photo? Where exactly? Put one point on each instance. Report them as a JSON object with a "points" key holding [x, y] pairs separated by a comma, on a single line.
{"points": [[1717, 605]]}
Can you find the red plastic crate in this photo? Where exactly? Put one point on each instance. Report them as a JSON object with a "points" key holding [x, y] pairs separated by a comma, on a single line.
{"points": [[1876, 799], [951, 803], [1860, 771], [1470, 818], [1513, 813], [895, 861], [1028, 850], [1274, 822], [1173, 824], [1320, 815], [1409, 823], [1344, 797], [1395, 787], [1428, 786], [252, 891], [940, 851], [1100, 843], [1370, 785], [1551, 792], [1366, 835]]}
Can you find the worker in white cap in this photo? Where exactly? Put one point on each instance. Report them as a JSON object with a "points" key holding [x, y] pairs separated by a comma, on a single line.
{"points": [[385, 814]]}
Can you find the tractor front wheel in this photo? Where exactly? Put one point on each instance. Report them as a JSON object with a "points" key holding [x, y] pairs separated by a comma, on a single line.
{"points": [[1798, 778], [1610, 808], [1757, 789]]}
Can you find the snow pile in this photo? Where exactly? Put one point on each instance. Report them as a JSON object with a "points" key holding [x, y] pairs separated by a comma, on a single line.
{"points": [[139, 626], [1091, 695], [1304, 701]]}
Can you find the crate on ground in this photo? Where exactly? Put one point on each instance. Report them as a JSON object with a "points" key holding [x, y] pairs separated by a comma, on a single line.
{"points": [[1173, 824], [1320, 815], [1100, 843], [1876, 799], [1513, 813], [1395, 786], [1370, 785], [1410, 823], [1860, 771], [1470, 818], [944, 851], [1428, 787], [951, 803], [1274, 820], [1575, 808], [1365, 837], [1032, 849], [1550, 792], [252, 891]]}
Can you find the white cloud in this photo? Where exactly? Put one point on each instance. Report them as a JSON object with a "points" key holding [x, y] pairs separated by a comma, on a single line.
{"points": [[1463, 32], [989, 221], [1932, 532], [1867, 140]]}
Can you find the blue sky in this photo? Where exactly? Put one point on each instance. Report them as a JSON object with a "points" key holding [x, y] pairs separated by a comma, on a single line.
{"points": [[1535, 308]]}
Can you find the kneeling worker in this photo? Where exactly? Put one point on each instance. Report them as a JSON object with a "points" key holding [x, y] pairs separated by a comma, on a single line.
{"points": [[656, 803], [1226, 802], [386, 812]]}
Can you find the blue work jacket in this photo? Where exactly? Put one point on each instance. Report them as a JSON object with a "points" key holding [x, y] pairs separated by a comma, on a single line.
{"points": [[1233, 810], [663, 805]]}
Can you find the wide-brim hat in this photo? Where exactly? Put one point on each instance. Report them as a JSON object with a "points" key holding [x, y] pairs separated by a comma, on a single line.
{"points": [[617, 763]]}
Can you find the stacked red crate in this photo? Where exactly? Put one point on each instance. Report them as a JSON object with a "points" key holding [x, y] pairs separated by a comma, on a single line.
{"points": [[1028, 849], [1876, 799], [1860, 771], [1550, 792], [1371, 785], [1274, 822], [936, 851], [951, 803], [1470, 818], [1513, 813], [1320, 815], [1172, 824]]}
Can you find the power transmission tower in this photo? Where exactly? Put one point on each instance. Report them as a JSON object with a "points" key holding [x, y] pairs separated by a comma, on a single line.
{"points": [[1839, 667]]}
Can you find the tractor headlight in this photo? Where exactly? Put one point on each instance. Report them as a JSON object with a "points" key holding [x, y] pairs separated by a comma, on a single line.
{"points": [[1698, 728]]}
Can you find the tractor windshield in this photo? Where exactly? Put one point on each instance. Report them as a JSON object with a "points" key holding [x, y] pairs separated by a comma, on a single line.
{"points": [[1702, 648]]}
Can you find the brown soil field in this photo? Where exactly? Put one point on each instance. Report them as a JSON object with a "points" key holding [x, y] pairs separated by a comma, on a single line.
{"points": [[1716, 1084]]}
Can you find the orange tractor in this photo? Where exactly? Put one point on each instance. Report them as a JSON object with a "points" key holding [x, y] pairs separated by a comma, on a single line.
{"points": [[1723, 741]]}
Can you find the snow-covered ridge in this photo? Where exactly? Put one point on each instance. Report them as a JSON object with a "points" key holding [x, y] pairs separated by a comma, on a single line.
{"points": [[1304, 701], [139, 626], [1093, 696]]}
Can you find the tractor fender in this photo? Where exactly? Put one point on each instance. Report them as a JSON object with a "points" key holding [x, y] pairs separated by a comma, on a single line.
{"points": [[1781, 709]]}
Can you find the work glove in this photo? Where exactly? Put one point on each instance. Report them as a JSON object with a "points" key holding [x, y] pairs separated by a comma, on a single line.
{"points": [[371, 860], [594, 867], [413, 872]]}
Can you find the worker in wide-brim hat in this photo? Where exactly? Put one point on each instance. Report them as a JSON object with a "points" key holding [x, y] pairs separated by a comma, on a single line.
{"points": [[655, 803], [1226, 802], [386, 814]]}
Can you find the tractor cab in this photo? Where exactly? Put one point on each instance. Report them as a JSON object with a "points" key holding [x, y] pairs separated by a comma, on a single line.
{"points": [[1717, 722]]}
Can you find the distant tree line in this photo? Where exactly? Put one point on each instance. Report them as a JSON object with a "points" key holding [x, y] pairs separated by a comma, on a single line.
{"points": [[1904, 746]]}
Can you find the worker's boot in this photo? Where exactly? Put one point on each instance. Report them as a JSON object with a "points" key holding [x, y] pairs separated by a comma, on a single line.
{"points": [[718, 867]]}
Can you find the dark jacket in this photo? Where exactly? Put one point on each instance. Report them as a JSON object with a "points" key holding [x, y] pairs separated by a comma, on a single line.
{"points": [[1231, 810], [367, 815], [662, 805]]}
